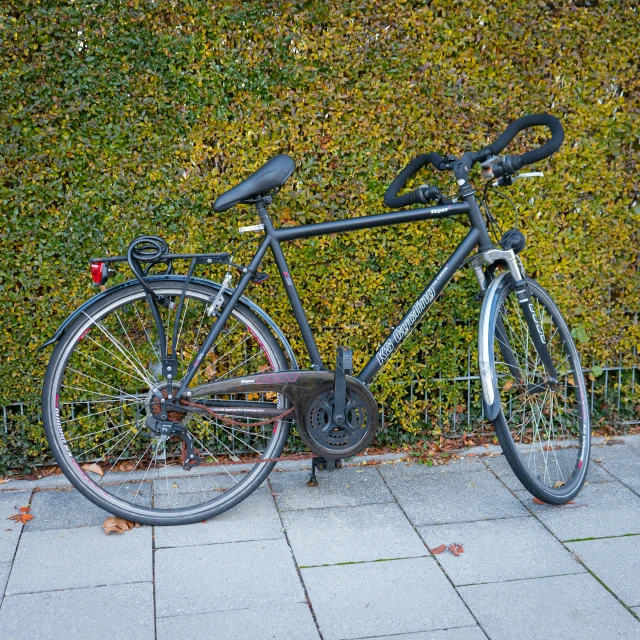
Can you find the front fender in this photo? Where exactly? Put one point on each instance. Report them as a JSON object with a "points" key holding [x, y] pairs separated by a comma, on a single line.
{"points": [[177, 278], [490, 394]]}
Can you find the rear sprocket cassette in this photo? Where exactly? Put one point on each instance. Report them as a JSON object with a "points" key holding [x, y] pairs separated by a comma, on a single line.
{"points": [[330, 440]]}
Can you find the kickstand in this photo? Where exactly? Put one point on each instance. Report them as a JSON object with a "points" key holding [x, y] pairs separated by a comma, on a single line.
{"points": [[313, 482]]}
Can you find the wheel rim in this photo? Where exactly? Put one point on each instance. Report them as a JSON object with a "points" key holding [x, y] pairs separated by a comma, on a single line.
{"points": [[102, 394], [547, 423]]}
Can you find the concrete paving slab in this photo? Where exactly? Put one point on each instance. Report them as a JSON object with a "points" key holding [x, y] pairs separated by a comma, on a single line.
{"points": [[76, 558], [616, 561], [603, 509], [351, 534], [410, 469], [501, 468], [562, 607], [393, 597], [622, 461], [62, 509], [99, 613], [255, 518], [454, 497], [195, 483], [288, 622], [221, 577], [458, 633], [499, 550], [10, 502], [341, 488]]}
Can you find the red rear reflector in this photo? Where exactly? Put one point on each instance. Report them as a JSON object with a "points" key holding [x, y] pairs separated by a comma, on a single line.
{"points": [[96, 272]]}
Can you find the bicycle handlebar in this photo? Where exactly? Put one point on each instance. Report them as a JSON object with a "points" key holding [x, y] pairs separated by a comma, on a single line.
{"points": [[526, 122], [510, 165], [422, 195]]}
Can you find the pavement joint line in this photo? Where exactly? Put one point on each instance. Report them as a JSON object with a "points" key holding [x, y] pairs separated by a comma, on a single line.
{"points": [[337, 506], [341, 564], [591, 573], [622, 535], [92, 586], [411, 633], [551, 575], [446, 575], [13, 560], [295, 561], [211, 544], [208, 611], [445, 524]]}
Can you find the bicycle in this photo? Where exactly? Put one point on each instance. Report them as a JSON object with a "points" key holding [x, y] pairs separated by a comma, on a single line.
{"points": [[151, 374]]}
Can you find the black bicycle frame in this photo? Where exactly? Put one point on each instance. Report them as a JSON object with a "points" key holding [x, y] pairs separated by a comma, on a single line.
{"points": [[477, 236]]}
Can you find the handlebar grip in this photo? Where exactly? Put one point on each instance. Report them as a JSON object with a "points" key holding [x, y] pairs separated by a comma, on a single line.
{"points": [[391, 198], [535, 120]]}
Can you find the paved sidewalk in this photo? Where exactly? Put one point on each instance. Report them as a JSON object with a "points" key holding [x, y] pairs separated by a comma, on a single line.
{"points": [[346, 560]]}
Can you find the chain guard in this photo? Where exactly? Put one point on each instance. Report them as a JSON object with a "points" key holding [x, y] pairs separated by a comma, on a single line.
{"points": [[311, 393], [329, 440]]}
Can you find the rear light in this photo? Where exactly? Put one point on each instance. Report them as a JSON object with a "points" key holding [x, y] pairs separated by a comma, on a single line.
{"points": [[99, 272]]}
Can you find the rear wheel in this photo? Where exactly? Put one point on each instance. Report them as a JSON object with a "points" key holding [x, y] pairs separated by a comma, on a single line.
{"points": [[543, 427], [98, 394]]}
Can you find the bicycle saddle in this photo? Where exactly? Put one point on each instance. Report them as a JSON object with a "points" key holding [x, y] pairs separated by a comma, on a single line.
{"points": [[271, 175]]}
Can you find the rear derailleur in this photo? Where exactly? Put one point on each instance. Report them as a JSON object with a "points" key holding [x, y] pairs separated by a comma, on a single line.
{"points": [[166, 428]]}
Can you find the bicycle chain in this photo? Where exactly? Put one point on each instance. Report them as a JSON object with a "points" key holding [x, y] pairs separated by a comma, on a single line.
{"points": [[235, 423]]}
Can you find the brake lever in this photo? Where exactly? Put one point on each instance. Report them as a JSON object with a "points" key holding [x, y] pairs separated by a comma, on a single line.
{"points": [[509, 180]]}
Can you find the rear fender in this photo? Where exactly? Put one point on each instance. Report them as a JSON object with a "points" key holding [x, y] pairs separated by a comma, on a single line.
{"points": [[177, 278]]}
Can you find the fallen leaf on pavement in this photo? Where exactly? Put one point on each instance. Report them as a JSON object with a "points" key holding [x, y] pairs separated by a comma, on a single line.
{"points": [[114, 524], [23, 517], [438, 550], [93, 468], [456, 548], [538, 501]]}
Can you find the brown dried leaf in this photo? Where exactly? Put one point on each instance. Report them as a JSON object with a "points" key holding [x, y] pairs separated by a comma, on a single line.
{"points": [[93, 468], [113, 524], [456, 548], [438, 550], [537, 501], [24, 516]]}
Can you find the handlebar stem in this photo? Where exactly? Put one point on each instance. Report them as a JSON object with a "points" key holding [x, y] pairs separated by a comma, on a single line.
{"points": [[461, 169]]}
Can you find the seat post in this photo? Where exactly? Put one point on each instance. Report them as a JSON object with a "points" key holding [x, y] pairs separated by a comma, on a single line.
{"points": [[262, 209]]}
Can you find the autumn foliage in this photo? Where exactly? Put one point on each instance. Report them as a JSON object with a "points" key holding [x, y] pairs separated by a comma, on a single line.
{"points": [[126, 118]]}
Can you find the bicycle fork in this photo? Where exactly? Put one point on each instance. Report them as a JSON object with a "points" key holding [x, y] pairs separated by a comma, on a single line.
{"points": [[523, 295]]}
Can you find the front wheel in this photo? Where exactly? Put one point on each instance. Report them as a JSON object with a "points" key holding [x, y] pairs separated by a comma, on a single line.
{"points": [[103, 382], [542, 424]]}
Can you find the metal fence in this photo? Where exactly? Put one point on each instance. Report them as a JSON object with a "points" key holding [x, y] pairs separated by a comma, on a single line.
{"points": [[613, 393]]}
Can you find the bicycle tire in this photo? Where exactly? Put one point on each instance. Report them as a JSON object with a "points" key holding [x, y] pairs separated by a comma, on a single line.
{"points": [[152, 506], [543, 429]]}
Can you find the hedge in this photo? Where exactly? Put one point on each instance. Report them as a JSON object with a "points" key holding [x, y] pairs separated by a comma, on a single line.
{"points": [[127, 118]]}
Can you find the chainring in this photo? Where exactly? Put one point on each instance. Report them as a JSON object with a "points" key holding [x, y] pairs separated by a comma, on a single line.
{"points": [[329, 440]]}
